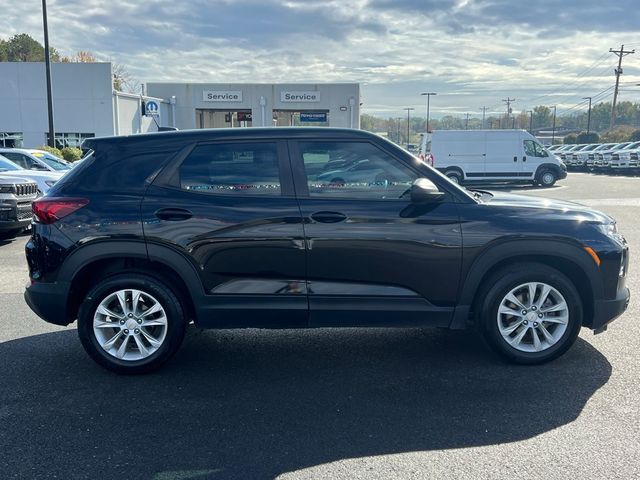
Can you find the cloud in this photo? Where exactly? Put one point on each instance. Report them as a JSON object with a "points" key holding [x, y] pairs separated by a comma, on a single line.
{"points": [[472, 52]]}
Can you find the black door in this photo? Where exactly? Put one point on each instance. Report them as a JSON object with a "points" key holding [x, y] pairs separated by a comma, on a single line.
{"points": [[229, 208], [373, 258]]}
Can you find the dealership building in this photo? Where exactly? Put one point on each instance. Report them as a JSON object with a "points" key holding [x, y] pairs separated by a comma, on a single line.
{"points": [[85, 105]]}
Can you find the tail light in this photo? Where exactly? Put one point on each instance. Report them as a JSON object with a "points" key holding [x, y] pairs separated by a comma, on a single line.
{"points": [[49, 210], [431, 160], [421, 156]]}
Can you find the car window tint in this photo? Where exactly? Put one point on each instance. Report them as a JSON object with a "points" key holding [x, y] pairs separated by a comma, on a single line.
{"points": [[232, 168], [354, 170]]}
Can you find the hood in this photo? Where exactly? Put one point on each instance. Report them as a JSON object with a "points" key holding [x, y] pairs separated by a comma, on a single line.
{"points": [[34, 174], [11, 179], [554, 209]]}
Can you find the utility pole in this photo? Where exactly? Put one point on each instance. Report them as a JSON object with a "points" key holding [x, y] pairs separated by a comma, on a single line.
{"points": [[484, 109], [508, 103], [408, 109], [553, 131], [588, 115], [398, 120], [47, 65], [466, 122], [530, 112], [618, 71], [428, 95]]}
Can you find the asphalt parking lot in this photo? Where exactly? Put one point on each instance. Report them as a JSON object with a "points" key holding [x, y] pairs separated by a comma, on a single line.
{"points": [[345, 404]]}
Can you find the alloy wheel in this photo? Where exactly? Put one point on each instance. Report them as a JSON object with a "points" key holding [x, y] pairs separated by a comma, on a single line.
{"points": [[130, 324], [533, 317]]}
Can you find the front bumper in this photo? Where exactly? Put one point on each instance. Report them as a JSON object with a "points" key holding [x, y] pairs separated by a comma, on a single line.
{"points": [[49, 301], [15, 215], [606, 311]]}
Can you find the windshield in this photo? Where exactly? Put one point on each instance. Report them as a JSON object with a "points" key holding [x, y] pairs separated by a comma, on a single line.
{"points": [[52, 161], [8, 165]]}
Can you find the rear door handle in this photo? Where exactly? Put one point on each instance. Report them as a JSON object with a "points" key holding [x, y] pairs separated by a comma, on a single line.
{"points": [[515, 159], [328, 217], [524, 159], [173, 214]]}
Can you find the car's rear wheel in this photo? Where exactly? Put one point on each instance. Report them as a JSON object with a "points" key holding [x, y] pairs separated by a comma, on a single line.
{"points": [[531, 314], [131, 323], [9, 234]]}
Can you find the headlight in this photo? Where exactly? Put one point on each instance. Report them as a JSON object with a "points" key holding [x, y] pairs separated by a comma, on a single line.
{"points": [[50, 183], [611, 231]]}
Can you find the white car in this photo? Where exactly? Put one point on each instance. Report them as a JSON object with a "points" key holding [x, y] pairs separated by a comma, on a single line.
{"points": [[44, 179], [625, 159], [31, 159]]}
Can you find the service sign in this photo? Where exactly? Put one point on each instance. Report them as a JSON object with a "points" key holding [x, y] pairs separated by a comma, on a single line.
{"points": [[221, 96], [299, 97]]}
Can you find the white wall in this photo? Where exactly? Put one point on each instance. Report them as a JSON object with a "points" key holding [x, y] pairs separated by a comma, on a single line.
{"points": [[189, 97], [82, 99]]}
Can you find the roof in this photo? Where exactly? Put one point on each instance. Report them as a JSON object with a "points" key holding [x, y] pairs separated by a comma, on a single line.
{"points": [[230, 133]]}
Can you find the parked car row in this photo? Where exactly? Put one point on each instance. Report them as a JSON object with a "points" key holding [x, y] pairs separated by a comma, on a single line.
{"points": [[25, 175], [602, 158]]}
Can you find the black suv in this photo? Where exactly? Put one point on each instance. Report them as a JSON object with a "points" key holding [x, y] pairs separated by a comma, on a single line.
{"points": [[308, 227]]}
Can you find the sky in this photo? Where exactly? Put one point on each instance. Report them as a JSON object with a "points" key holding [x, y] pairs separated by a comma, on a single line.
{"points": [[472, 53]]}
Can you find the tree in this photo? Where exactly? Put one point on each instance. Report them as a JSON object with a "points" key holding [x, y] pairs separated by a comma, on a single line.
{"points": [[23, 48], [4, 55], [620, 133], [571, 139], [80, 57], [584, 137], [635, 136], [542, 117], [123, 81]]}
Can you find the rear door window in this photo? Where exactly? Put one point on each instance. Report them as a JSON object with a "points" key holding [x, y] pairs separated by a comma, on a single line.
{"points": [[247, 168]]}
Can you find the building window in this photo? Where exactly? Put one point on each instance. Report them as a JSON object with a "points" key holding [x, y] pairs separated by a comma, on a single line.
{"points": [[11, 140], [69, 139]]}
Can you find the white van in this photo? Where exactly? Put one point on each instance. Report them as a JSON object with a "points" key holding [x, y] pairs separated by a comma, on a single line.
{"points": [[491, 156]]}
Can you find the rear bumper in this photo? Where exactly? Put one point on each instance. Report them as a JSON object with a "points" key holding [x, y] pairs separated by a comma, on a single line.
{"points": [[606, 311], [48, 301]]}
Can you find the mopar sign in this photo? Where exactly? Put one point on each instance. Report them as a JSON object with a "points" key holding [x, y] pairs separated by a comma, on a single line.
{"points": [[313, 116], [152, 109]]}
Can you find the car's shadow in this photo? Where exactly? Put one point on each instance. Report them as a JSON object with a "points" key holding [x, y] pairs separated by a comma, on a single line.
{"points": [[254, 404]]}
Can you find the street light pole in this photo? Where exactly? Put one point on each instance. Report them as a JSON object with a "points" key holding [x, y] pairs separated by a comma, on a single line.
{"points": [[588, 115], [408, 109], [553, 132], [530, 112], [47, 66], [428, 95]]}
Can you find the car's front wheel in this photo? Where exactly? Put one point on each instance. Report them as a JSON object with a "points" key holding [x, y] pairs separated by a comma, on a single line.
{"points": [[531, 314], [131, 323], [547, 178]]}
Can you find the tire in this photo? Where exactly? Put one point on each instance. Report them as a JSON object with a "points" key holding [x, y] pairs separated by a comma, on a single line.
{"points": [[10, 234], [502, 329], [546, 178], [166, 325], [454, 175]]}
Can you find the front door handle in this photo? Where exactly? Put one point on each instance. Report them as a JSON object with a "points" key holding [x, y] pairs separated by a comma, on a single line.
{"points": [[173, 214], [515, 159], [328, 217]]}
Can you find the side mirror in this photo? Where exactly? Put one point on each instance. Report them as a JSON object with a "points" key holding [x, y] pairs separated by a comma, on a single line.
{"points": [[424, 191]]}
